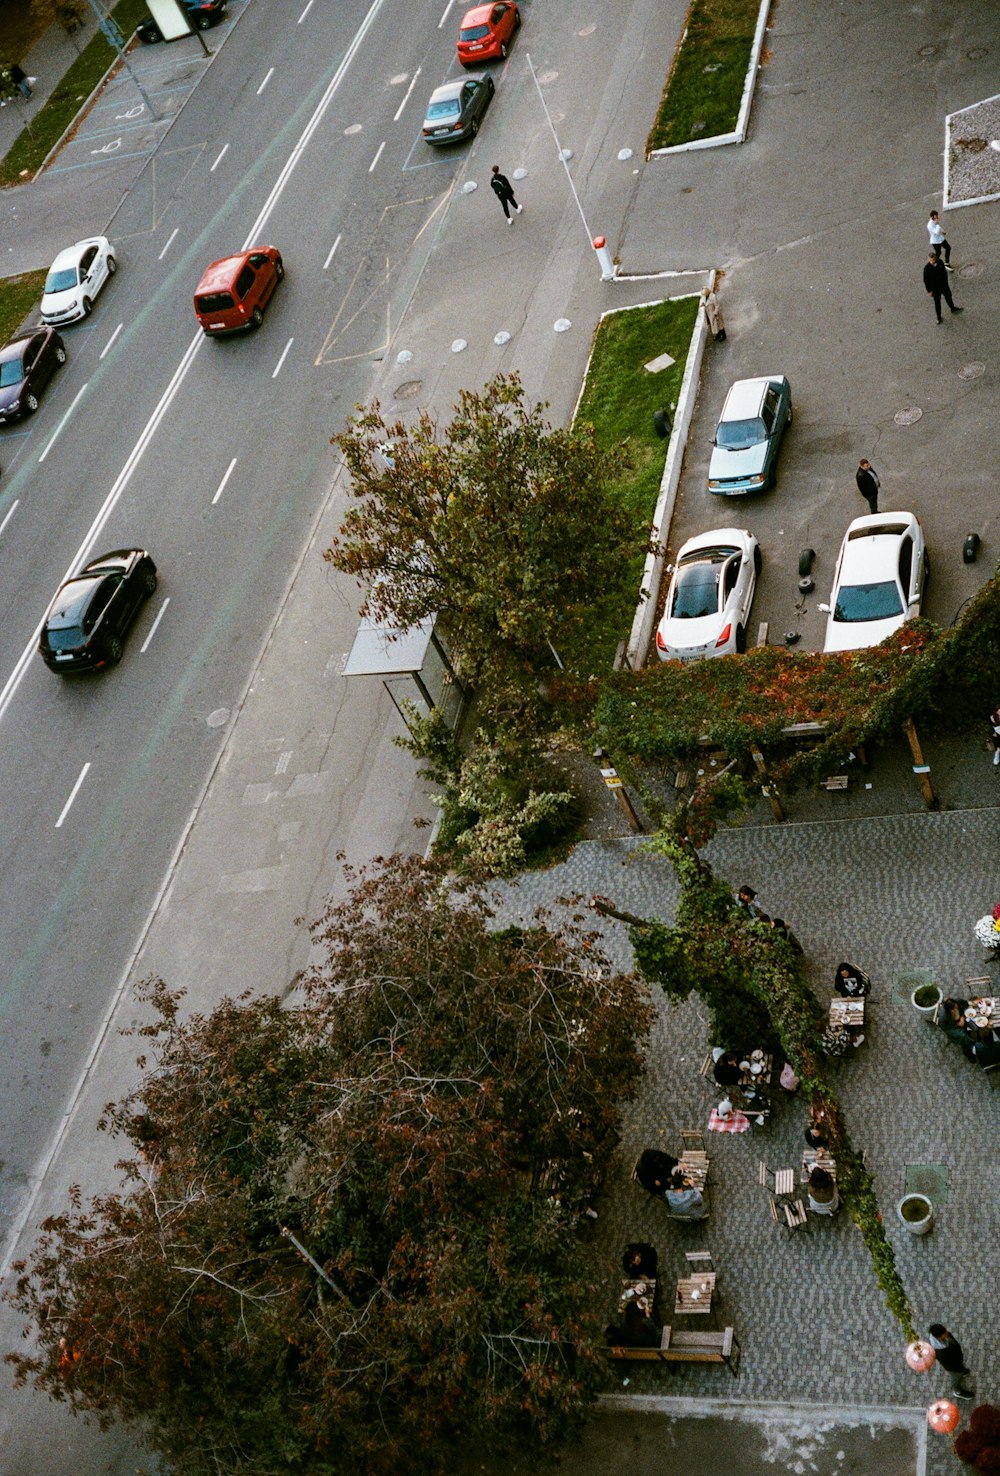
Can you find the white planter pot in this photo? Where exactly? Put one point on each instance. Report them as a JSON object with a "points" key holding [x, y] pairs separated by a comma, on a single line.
{"points": [[926, 1010], [916, 1213]]}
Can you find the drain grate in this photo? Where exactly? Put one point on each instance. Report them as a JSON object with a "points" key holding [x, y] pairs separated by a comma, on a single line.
{"points": [[907, 980]]}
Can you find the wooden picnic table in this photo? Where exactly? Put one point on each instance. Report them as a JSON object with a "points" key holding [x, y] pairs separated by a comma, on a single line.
{"points": [[694, 1294], [844, 1012]]}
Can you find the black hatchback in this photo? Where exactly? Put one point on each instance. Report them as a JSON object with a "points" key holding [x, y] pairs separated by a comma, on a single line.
{"points": [[92, 612]]}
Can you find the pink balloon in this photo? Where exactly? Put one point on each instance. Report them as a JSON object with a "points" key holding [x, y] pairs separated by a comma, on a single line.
{"points": [[943, 1416], [920, 1356]]}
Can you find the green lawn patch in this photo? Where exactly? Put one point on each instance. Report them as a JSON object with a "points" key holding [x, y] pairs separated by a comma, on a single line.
{"points": [[18, 295], [705, 86], [49, 124]]}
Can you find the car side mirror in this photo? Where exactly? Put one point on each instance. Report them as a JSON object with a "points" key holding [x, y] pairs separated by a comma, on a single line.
{"points": [[824, 608]]}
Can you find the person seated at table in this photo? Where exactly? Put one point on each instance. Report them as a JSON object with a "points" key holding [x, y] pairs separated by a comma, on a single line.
{"points": [[640, 1329], [851, 982], [817, 1135], [834, 1041], [953, 1021], [727, 1070], [985, 1051], [822, 1189], [684, 1201], [640, 1261], [654, 1170]]}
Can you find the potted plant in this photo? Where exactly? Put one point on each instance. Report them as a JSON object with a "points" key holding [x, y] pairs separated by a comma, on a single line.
{"points": [[987, 931], [926, 999], [916, 1213]]}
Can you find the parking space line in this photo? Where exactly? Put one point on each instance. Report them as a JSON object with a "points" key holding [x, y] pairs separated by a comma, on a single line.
{"points": [[170, 242], [10, 513], [378, 155], [266, 80], [225, 479], [159, 616], [284, 356], [329, 258], [304, 13], [73, 794], [69, 412], [222, 154], [399, 111], [111, 340], [446, 11]]}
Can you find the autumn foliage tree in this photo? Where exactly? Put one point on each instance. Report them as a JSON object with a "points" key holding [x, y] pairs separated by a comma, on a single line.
{"points": [[349, 1234]]}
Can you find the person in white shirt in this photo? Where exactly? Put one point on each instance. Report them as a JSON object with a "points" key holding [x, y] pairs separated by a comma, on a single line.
{"points": [[939, 241]]}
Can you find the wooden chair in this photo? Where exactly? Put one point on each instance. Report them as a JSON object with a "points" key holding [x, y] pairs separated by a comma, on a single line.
{"points": [[692, 1141], [699, 1260], [782, 1181], [705, 1070], [792, 1216]]}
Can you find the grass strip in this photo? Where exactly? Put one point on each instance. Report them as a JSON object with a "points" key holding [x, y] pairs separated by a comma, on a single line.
{"points": [[18, 295], [705, 86], [29, 149], [619, 401]]}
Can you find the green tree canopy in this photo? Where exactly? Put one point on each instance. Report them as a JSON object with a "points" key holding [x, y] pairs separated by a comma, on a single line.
{"points": [[427, 1122]]}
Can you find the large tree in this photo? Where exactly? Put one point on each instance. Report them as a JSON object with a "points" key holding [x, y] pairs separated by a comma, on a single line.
{"points": [[426, 1123], [497, 523]]}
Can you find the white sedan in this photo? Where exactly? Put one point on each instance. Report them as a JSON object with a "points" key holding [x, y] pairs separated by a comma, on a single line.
{"points": [[75, 278], [710, 594], [879, 581]]}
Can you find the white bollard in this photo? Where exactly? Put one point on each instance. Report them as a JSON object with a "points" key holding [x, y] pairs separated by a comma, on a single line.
{"points": [[604, 257]]}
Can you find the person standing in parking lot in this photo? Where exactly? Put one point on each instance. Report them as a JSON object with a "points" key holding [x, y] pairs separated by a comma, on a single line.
{"points": [[939, 242], [713, 313], [936, 283], [501, 187], [868, 483]]}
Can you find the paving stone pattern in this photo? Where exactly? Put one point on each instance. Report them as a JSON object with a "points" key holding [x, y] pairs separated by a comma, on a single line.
{"points": [[895, 895]]}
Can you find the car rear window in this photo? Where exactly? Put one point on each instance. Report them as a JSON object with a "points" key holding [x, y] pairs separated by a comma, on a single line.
{"points": [[64, 637], [61, 281], [474, 33], [737, 435], [696, 591], [857, 602], [214, 302], [447, 109]]}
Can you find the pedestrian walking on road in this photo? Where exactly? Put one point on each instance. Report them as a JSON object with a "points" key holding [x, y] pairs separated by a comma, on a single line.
{"points": [[952, 1359], [936, 283], [22, 82], [501, 187], [713, 312], [868, 483], [939, 241]]}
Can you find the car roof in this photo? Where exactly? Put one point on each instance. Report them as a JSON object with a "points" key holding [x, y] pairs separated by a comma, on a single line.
{"points": [[14, 348], [871, 547], [70, 603], [71, 255], [219, 275], [745, 397], [449, 91], [478, 14]]}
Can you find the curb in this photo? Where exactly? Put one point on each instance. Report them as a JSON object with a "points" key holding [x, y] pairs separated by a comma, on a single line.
{"points": [[739, 133]]}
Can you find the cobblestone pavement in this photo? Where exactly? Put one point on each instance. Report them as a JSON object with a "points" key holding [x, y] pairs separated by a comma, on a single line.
{"points": [[897, 895]]}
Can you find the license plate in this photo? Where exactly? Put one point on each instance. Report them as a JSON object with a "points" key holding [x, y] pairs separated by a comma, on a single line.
{"points": [[64, 656]]}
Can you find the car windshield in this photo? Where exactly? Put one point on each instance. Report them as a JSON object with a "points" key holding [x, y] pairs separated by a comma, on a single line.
{"points": [[11, 372], [857, 602], [61, 281], [474, 33], [215, 302], [448, 108], [738, 435], [696, 586]]}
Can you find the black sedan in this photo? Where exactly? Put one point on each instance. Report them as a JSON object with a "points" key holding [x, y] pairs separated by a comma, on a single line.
{"points": [[26, 366], [89, 617], [201, 14], [456, 109]]}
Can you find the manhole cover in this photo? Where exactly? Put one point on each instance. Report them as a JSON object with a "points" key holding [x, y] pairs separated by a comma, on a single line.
{"points": [[927, 51], [408, 389], [971, 371], [548, 77], [971, 269], [909, 416]]}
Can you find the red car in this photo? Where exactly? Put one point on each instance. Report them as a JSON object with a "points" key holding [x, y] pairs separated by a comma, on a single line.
{"points": [[233, 293], [486, 32]]}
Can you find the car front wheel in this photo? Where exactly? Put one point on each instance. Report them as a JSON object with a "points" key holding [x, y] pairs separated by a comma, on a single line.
{"points": [[757, 562], [503, 51], [279, 269], [256, 318], [30, 404], [112, 266], [60, 355], [474, 127], [113, 651], [88, 307], [149, 583]]}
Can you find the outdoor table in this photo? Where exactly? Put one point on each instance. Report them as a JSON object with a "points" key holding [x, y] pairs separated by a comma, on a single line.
{"points": [[696, 1169], [641, 1290], [817, 1158], [753, 1079], [844, 1012], [736, 1122], [693, 1297], [984, 1008]]}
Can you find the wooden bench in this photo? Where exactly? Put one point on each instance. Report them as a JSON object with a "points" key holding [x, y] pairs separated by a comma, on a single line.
{"points": [[836, 781], [707, 1345]]}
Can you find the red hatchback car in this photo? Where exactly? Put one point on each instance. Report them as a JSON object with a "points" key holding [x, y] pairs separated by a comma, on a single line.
{"points": [[486, 32], [234, 292]]}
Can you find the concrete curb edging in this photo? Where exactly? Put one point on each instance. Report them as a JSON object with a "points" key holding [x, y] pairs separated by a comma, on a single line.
{"points": [[649, 592], [739, 133], [947, 203]]}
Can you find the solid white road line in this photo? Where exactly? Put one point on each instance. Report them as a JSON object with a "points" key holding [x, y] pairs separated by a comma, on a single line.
{"points": [[304, 13], [159, 616], [69, 412], [332, 250], [221, 155], [170, 242], [225, 479], [284, 356], [399, 111], [445, 16], [111, 340], [266, 80], [73, 794], [378, 155], [10, 513]]}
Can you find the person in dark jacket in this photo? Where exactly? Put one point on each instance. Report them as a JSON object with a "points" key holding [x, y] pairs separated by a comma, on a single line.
{"points": [[936, 285], [868, 483], [640, 1261], [851, 982], [655, 1170], [727, 1069], [504, 191], [951, 1019], [952, 1359]]}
